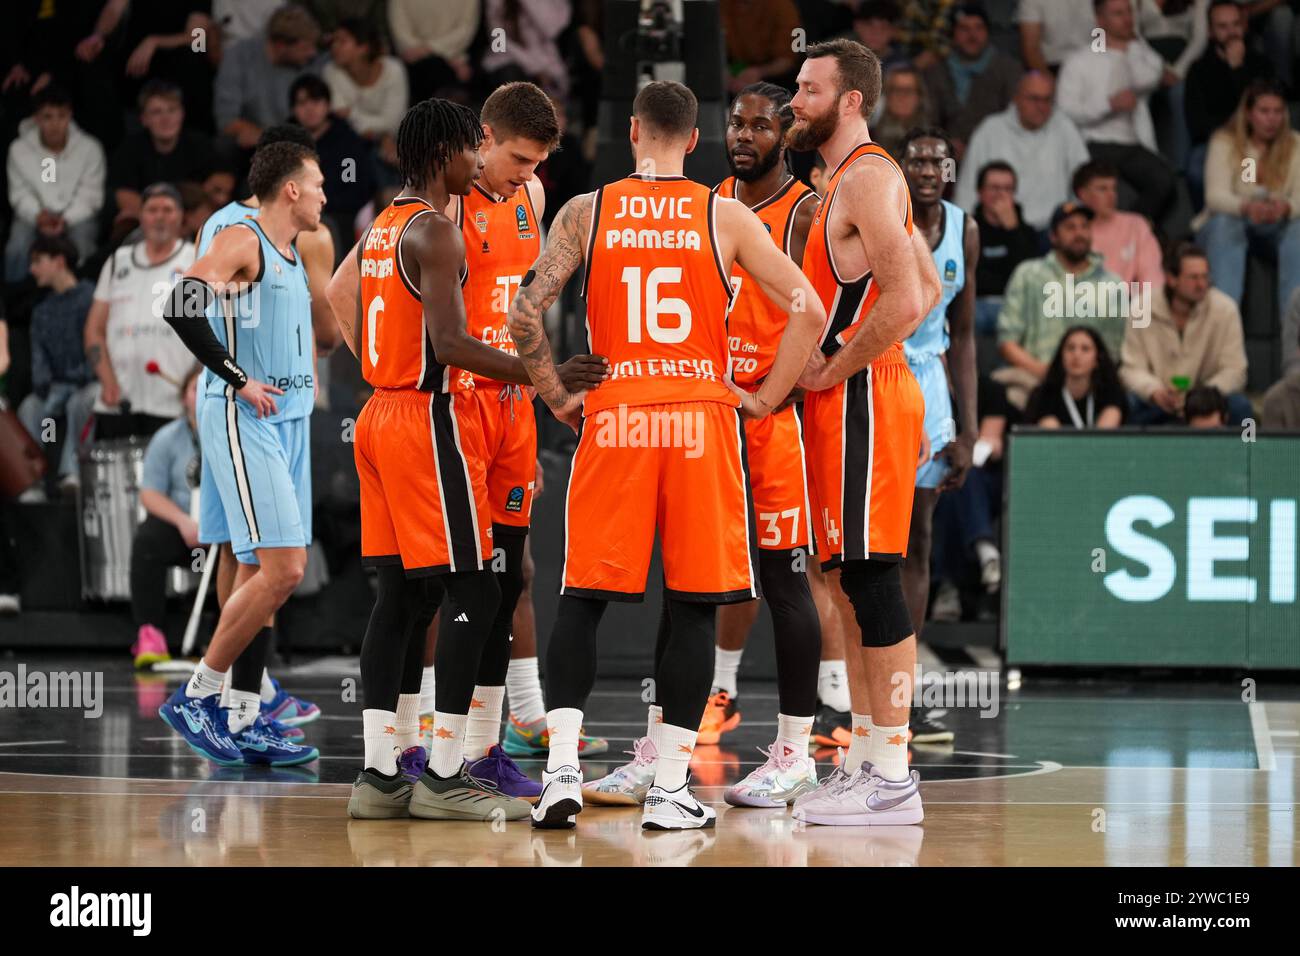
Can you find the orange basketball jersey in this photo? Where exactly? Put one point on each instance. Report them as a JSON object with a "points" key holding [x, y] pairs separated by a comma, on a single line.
{"points": [[657, 294], [755, 324], [847, 299], [502, 241], [395, 347]]}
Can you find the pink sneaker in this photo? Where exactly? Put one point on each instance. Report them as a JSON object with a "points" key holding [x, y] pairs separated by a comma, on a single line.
{"points": [[150, 647]]}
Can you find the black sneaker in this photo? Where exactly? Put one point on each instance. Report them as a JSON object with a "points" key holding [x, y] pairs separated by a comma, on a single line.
{"points": [[924, 729], [831, 727]]}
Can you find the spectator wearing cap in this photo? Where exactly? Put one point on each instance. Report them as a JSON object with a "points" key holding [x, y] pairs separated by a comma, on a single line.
{"points": [[1045, 296], [759, 36], [973, 80], [63, 384], [1105, 88], [252, 87], [1052, 29], [1006, 240], [1124, 239], [1282, 400], [1252, 195], [433, 41], [1194, 337], [347, 160], [163, 151], [136, 356], [1039, 142], [56, 181], [1215, 83]]}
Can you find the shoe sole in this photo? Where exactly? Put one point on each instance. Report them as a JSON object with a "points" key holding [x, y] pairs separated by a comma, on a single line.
{"points": [[290, 762], [423, 810], [146, 661], [162, 712], [299, 721], [884, 818], [364, 806], [939, 737], [610, 799], [558, 816], [655, 823], [760, 803]]}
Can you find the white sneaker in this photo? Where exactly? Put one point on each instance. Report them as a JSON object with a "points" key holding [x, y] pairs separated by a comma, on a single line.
{"points": [[780, 781], [867, 800], [10, 604], [560, 800], [628, 785], [35, 495], [947, 603], [838, 778], [675, 810]]}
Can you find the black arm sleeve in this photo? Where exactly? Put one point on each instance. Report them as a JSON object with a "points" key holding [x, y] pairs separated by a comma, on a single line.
{"points": [[186, 311]]}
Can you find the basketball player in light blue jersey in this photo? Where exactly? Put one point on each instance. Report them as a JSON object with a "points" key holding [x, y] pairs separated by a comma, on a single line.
{"points": [[317, 250], [244, 310], [949, 330]]}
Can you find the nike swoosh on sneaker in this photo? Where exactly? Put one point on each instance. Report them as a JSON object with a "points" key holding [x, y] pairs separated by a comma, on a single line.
{"points": [[195, 723], [876, 802], [697, 812]]}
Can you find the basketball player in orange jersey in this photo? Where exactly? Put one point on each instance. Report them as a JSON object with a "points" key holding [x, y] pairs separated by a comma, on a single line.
{"points": [[421, 450], [863, 418], [660, 446]]}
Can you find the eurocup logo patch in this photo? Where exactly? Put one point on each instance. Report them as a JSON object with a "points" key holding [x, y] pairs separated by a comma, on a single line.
{"points": [[515, 500], [950, 270], [521, 217]]}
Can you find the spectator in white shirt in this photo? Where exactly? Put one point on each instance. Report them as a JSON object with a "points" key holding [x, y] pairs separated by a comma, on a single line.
{"points": [[1039, 143], [433, 41], [1105, 88], [56, 181], [1051, 29], [367, 88]]}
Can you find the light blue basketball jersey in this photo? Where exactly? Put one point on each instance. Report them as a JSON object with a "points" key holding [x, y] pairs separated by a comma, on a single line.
{"points": [[267, 329], [227, 215], [931, 336]]}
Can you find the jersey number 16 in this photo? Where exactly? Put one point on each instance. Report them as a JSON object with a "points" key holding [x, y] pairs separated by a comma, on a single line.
{"points": [[655, 307]]}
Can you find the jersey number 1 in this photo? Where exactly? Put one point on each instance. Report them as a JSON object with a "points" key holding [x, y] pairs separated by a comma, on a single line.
{"points": [[655, 307]]}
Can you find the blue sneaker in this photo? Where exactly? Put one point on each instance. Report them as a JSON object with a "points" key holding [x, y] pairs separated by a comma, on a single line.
{"points": [[259, 745], [501, 773], [202, 726], [288, 709], [282, 730]]}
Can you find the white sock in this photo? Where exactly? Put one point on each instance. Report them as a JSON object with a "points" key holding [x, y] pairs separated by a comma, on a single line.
{"points": [[654, 721], [833, 685], [427, 705], [889, 751], [524, 688], [792, 735], [860, 745], [379, 731], [268, 689], [676, 746], [448, 749], [244, 708], [564, 725], [725, 666], [484, 728], [204, 682], [407, 722], [225, 696]]}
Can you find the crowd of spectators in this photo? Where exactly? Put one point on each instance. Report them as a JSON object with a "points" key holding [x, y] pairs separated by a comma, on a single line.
{"points": [[1096, 140]]}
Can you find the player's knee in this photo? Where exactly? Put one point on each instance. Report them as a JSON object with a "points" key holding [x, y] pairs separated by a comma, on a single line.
{"points": [[285, 574], [875, 589]]}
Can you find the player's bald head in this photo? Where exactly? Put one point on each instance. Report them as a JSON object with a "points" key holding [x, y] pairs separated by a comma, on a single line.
{"points": [[667, 110]]}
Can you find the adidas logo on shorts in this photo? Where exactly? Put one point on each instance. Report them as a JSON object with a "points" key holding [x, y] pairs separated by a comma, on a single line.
{"points": [[462, 618]]}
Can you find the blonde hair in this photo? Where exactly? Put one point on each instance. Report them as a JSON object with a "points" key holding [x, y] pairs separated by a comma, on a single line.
{"points": [[1274, 165]]}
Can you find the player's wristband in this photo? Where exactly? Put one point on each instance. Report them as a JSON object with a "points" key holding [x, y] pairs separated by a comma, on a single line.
{"points": [[186, 311]]}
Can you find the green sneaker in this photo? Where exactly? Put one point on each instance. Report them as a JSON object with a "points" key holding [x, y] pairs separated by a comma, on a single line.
{"points": [[532, 740], [463, 797], [375, 797]]}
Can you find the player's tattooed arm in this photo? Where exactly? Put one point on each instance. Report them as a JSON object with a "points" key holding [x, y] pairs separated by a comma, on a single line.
{"points": [[564, 252]]}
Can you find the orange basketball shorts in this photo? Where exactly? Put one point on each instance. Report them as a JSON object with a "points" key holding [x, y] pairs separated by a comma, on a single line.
{"points": [[863, 441], [778, 481], [424, 503], [504, 417], [676, 469]]}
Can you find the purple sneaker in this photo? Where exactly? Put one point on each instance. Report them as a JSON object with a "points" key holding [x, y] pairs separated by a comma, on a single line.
{"points": [[290, 710], [496, 770], [411, 763]]}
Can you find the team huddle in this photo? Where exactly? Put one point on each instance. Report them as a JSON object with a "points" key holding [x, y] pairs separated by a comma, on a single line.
{"points": [[761, 321]]}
